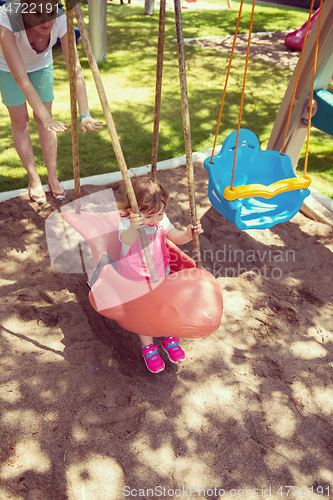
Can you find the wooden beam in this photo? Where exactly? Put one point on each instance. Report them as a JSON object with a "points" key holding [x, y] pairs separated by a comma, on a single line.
{"points": [[114, 138], [187, 129], [297, 131]]}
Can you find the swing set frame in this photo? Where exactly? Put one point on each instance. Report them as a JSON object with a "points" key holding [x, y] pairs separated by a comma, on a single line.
{"points": [[73, 5], [270, 174], [189, 297], [232, 193], [297, 129]]}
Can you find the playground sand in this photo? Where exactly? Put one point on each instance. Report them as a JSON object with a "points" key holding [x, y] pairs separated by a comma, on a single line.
{"points": [[265, 47], [247, 415]]}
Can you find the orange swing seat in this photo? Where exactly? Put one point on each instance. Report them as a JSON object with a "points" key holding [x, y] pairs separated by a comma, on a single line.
{"points": [[187, 303]]}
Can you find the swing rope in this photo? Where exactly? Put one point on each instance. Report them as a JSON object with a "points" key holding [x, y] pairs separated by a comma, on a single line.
{"points": [[187, 129], [288, 184], [185, 113], [296, 84], [297, 77], [312, 87], [226, 79], [243, 93], [158, 92], [111, 129]]}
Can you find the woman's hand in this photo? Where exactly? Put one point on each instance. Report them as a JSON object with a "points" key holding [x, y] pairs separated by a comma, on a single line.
{"points": [[89, 123], [54, 125]]}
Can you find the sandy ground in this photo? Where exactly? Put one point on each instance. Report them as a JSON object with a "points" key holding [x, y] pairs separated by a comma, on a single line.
{"points": [[186, 5], [249, 409], [247, 415], [267, 47]]}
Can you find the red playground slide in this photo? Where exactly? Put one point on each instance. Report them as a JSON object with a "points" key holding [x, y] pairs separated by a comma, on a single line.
{"points": [[295, 39]]}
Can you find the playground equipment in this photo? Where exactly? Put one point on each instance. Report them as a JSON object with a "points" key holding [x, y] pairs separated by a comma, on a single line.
{"points": [[186, 303], [228, 3], [263, 184], [291, 129], [253, 188], [323, 118], [295, 39]]}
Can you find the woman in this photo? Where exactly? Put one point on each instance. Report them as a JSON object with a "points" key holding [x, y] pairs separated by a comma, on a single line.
{"points": [[27, 33]]}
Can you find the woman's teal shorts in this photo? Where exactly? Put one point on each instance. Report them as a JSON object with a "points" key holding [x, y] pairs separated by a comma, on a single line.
{"points": [[42, 80]]}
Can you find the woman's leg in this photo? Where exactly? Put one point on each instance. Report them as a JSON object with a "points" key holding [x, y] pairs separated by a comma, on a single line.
{"points": [[21, 136], [48, 142]]}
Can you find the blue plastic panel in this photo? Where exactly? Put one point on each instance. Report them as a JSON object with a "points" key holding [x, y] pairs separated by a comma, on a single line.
{"points": [[253, 166]]}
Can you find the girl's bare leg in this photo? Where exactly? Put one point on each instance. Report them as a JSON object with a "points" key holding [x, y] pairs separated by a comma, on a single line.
{"points": [[48, 142], [21, 136], [145, 341]]}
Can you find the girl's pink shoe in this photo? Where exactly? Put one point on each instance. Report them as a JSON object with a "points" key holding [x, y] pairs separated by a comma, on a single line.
{"points": [[171, 346], [153, 360]]}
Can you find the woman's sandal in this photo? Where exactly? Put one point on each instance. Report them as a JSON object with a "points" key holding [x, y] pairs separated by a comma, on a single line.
{"points": [[57, 196], [38, 199]]}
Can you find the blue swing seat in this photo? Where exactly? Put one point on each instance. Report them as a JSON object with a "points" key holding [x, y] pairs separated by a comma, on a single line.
{"points": [[265, 191]]}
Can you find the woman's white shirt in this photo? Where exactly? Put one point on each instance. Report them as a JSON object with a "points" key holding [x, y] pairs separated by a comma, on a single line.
{"points": [[12, 20]]}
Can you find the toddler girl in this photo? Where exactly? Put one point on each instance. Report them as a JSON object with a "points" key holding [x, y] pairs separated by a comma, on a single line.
{"points": [[152, 200]]}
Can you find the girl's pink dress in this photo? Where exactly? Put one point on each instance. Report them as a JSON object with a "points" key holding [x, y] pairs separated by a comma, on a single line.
{"points": [[134, 267]]}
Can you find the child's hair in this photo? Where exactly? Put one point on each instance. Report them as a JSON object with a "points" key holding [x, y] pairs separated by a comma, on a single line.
{"points": [[150, 195]]}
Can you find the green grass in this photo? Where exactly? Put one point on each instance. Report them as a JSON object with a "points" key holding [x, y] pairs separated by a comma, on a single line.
{"points": [[129, 79]]}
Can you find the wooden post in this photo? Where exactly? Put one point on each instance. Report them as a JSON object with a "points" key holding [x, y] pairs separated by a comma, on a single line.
{"points": [[159, 70], [297, 130], [72, 87], [114, 138], [187, 128]]}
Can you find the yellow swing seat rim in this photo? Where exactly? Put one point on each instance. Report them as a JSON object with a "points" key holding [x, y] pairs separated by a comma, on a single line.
{"points": [[260, 190]]}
